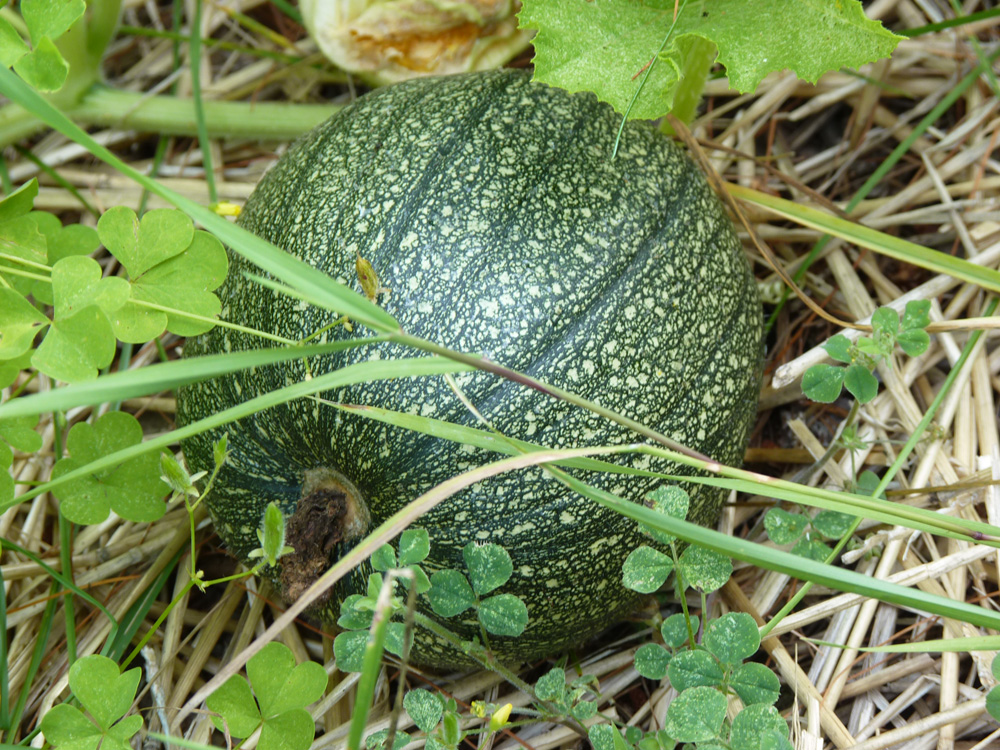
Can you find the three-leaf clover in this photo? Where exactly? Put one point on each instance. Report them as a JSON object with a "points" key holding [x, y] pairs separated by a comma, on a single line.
{"points": [[107, 696], [357, 611], [132, 488], [489, 567], [172, 270], [822, 383], [282, 690], [42, 66]]}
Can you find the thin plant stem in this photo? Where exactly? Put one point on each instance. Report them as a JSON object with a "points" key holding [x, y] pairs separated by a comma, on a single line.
{"points": [[904, 454], [194, 47]]}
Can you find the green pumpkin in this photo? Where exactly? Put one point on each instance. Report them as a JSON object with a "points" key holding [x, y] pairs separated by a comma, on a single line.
{"points": [[491, 208]]}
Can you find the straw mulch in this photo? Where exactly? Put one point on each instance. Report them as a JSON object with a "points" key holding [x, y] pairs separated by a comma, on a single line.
{"points": [[829, 137]]}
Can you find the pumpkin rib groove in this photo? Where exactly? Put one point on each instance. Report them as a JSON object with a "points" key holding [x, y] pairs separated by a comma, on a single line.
{"points": [[443, 152]]}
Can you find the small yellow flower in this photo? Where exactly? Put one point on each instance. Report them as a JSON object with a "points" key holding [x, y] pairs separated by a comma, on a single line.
{"points": [[225, 208], [499, 719], [479, 709]]}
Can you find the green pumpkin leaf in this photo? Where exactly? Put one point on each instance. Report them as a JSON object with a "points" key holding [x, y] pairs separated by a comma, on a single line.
{"points": [[20, 322], [77, 283], [424, 707], [839, 348], [107, 695], [450, 593], [704, 569], [551, 686], [784, 527], [822, 383], [607, 46], [732, 637], [861, 383], [132, 489], [696, 715], [651, 661], [414, 546], [675, 630], [688, 669], [349, 650], [646, 569], [754, 722], [489, 566], [503, 614], [755, 683], [51, 18], [44, 67], [76, 347]]}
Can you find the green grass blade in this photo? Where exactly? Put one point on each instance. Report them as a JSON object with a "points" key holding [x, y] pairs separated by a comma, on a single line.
{"points": [[879, 242], [895, 514], [371, 664], [479, 438], [194, 51], [937, 646], [4, 661], [164, 377], [280, 264], [136, 614], [738, 479], [361, 372], [797, 567]]}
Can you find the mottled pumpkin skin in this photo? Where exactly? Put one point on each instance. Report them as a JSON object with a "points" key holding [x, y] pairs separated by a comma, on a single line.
{"points": [[490, 207]]}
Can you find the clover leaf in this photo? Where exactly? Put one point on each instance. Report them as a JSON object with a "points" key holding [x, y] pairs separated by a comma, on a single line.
{"points": [[172, 271], [107, 695], [489, 566], [132, 488], [76, 347], [20, 322], [282, 689]]}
